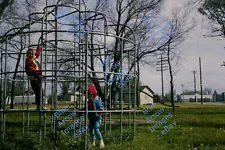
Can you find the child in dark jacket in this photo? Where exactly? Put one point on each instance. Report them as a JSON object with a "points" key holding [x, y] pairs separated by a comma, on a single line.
{"points": [[94, 117], [32, 67]]}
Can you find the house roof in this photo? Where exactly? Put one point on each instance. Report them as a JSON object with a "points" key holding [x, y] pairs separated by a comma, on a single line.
{"points": [[141, 88], [218, 92], [145, 86]]}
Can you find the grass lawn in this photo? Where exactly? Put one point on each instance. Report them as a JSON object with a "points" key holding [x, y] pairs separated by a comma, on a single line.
{"points": [[200, 127]]}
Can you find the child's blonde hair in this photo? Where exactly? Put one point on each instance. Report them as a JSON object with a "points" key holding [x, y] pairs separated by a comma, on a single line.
{"points": [[29, 49]]}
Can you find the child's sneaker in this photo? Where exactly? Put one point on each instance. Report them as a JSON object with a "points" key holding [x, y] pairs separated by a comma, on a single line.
{"points": [[93, 143], [44, 108], [102, 145]]}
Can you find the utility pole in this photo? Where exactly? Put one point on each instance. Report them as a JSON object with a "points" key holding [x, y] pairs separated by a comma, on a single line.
{"points": [[162, 68], [200, 68], [182, 91], [182, 88], [161, 64], [194, 71]]}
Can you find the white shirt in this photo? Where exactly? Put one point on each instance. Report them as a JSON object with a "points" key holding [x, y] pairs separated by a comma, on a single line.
{"points": [[37, 63]]}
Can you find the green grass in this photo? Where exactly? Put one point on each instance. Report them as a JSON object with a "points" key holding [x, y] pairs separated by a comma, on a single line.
{"points": [[200, 127]]}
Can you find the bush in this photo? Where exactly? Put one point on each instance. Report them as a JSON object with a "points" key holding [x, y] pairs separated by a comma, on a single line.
{"points": [[156, 98]]}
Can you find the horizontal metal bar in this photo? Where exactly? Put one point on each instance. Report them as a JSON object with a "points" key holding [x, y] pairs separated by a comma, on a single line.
{"points": [[69, 111]]}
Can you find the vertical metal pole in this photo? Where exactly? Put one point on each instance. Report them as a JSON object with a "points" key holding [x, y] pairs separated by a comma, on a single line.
{"points": [[3, 125], [41, 92], [86, 83], [1, 92], [28, 121], [2, 129], [129, 91], [162, 79], [80, 57], [5, 75], [74, 83], [1, 96], [75, 99], [135, 84], [121, 91], [5, 90], [55, 70], [56, 61], [105, 87], [2, 88], [195, 86], [200, 68], [23, 124], [52, 97], [45, 86], [28, 84], [109, 88]]}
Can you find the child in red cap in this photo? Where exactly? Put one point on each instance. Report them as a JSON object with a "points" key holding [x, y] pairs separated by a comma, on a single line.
{"points": [[94, 117]]}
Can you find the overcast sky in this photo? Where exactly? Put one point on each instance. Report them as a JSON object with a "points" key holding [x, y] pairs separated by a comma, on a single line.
{"points": [[211, 50]]}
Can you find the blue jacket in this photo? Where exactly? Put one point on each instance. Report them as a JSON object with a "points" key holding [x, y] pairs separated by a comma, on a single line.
{"points": [[96, 104]]}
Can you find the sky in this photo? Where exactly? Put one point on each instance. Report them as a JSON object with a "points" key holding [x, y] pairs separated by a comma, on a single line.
{"points": [[211, 50]]}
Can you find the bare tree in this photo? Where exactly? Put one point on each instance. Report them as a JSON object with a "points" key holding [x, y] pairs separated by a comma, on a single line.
{"points": [[215, 11], [4, 4], [122, 16], [17, 44], [130, 14], [207, 91], [176, 34]]}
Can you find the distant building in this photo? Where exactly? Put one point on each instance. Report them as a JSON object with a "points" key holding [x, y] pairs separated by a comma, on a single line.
{"points": [[191, 98], [145, 98], [74, 97], [218, 97], [27, 98], [77, 97]]}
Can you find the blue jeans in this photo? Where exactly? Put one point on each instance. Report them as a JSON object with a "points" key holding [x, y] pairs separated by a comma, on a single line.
{"points": [[94, 129]]}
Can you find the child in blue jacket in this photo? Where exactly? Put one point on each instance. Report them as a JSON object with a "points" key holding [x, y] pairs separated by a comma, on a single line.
{"points": [[94, 117]]}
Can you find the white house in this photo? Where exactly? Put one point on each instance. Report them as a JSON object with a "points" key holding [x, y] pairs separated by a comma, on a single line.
{"points": [[76, 97], [24, 99], [146, 95]]}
